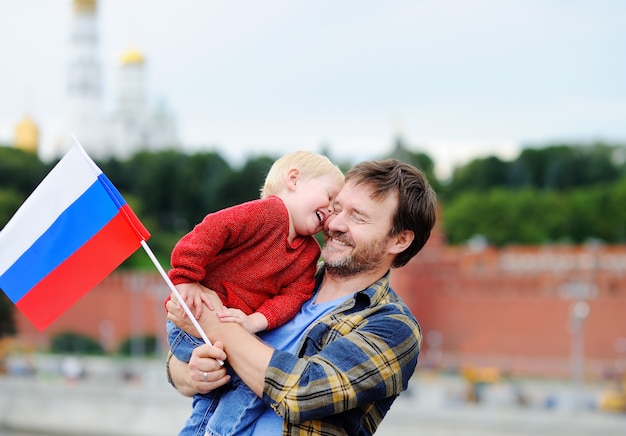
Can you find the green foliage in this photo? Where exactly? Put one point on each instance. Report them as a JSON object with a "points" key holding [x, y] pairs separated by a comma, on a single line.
{"points": [[532, 216], [176, 189], [75, 343], [556, 168], [557, 193], [144, 345], [10, 201], [246, 184], [7, 323], [478, 175], [20, 170]]}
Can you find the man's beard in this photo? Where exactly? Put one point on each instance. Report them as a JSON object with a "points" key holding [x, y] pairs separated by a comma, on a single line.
{"points": [[364, 258]]}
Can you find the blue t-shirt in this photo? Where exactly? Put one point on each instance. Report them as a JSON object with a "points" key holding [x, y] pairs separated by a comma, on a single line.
{"points": [[287, 338]]}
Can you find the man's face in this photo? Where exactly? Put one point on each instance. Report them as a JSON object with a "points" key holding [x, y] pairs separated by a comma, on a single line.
{"points": [[357, 234]]}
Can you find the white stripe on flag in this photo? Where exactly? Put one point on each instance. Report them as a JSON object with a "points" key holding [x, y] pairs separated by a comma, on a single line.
{"points": [[60, 188]]}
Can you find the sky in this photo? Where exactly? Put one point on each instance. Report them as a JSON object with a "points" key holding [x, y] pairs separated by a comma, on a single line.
{"points": [[457, 79]]}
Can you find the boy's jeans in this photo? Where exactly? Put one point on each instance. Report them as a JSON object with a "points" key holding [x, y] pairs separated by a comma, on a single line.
{"points": [[231, 410]]}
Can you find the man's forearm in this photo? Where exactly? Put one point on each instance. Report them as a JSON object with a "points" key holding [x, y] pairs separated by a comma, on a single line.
{"points": [[178, 373], [247, 355]]}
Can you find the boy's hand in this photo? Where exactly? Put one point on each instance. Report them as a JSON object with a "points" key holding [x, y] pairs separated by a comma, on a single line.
{"points": [[191, 295], [194, 295], [253, 323]]}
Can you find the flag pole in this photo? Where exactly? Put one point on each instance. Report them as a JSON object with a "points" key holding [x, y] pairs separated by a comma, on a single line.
{"points": [[195, 323]]}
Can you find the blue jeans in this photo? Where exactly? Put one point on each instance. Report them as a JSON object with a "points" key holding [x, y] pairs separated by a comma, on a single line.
{"points": [[230, 410]]}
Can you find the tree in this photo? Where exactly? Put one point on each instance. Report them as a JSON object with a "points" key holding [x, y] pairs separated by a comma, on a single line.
{"points": [[245, 184], [7, 322], [479, 175], [20, 170]]}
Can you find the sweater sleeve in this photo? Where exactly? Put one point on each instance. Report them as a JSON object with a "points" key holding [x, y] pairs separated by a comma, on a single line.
{"points": [[284, 306], [217, 231]]}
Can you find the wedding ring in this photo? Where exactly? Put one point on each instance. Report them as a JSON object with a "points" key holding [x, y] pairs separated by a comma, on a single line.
{"points": [[205, 376]]}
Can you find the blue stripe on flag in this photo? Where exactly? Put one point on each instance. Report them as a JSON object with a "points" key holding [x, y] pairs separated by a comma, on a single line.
{"points": [[112, 190], [70, 231]]}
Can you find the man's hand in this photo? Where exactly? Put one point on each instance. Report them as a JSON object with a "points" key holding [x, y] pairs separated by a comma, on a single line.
{"points": [[204, 369], [249, 357], [189, 378]]}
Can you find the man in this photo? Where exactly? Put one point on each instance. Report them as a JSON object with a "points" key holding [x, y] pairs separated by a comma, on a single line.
{"points": [[337, 367]]}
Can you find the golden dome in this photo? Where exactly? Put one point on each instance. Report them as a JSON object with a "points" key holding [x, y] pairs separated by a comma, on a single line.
{"points": [[132, 56], [84, 5], [27, 135]]}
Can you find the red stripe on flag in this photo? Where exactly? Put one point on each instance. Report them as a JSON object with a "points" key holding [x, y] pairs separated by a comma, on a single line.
{"points": [[135, 222], [87, 267]]}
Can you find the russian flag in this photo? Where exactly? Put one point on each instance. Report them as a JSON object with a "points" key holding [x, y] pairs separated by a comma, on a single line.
{"points": [[70, 233]]}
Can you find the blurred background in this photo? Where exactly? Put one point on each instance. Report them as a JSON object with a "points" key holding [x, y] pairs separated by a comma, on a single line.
{"points": [[516, 111]]}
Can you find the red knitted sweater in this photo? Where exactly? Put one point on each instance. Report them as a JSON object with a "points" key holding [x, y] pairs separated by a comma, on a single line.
{"points": [[242, 253]]}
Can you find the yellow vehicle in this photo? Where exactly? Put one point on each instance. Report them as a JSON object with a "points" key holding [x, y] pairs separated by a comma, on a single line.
{"points": [[478, 378], [614, 400]]}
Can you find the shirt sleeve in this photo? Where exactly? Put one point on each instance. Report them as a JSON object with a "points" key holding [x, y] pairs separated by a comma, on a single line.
{"points": [[368, 363]]}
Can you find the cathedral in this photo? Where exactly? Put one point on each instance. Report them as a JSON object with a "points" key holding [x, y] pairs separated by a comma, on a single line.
{"points": [[131, 126]]}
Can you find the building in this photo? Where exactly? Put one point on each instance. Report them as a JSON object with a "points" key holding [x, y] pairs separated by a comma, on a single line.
{"points": [[84, 88], [27, 135], [133, 125]]}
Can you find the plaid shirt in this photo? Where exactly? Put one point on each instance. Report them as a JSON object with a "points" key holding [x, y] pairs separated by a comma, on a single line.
{"points": [[351, 366]]}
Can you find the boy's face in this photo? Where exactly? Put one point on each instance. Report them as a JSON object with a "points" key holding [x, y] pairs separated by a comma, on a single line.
{"points": [[357, 234], [314, 204]]}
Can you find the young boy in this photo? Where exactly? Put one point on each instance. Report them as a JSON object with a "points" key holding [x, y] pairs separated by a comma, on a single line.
{"points": [[260, 257]]}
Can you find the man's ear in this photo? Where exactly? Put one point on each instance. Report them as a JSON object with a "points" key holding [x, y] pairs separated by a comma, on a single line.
{"points": [[293, 176], [401, 241]]}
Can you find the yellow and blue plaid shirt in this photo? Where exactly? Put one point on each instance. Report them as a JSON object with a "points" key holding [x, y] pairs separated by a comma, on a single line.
{"points": [[350, 367]]}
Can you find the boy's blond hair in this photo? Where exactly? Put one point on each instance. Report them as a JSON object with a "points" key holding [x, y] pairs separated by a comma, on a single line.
{"points": [[308, 164]]}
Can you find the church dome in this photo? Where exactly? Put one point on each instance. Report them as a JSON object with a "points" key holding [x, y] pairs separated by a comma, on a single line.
{"points": [[84, 5], [27, 135], [132, 56]]}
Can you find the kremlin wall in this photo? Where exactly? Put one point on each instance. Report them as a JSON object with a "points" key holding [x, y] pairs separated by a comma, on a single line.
{"points": [[522, 310]]}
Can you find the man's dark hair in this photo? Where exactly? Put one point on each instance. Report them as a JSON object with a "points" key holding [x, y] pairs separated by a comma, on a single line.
{"points": [[416, 199]]}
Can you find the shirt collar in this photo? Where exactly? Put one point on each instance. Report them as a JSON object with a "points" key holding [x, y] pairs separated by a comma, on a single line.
{"points": [[373, 294]]}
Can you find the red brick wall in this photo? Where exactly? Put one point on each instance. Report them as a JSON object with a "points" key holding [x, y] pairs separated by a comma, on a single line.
{"points": [[124, 304], [488, 311], [492, 307]]}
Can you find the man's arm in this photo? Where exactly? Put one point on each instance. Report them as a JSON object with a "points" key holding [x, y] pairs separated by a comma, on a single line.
{"points": [[247, 355]]}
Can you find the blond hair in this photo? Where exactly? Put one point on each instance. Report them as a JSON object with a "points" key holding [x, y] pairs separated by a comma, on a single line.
{"points": [[309, 166]]}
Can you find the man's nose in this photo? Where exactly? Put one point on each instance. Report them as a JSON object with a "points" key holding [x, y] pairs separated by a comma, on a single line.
{"points": [[336, 221]]}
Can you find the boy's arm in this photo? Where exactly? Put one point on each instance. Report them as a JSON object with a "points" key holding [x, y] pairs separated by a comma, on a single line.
{"points": [[284, 306]]}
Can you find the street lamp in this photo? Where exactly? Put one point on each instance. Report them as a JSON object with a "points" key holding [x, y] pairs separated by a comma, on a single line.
{"points": [[579, 311]]}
